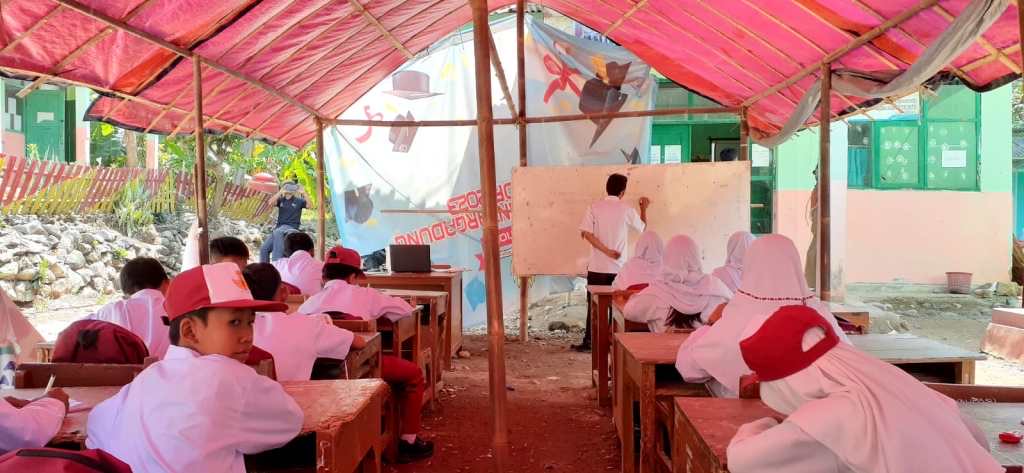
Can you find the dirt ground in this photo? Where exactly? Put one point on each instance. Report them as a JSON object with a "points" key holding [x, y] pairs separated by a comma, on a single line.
{"points": [[554, 422]]}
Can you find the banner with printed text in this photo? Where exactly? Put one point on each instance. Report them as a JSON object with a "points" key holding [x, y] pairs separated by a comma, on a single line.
{"points": [[373, 169]]}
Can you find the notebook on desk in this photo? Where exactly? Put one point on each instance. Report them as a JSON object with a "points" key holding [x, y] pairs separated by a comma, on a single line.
{"points": [[409, 258]]}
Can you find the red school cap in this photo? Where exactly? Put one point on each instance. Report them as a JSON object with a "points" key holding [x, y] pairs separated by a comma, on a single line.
{"points": [[212, 286], [776, 351], [345, 256]]}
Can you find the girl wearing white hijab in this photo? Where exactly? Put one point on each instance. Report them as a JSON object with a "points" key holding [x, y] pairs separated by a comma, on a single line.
{"points": [[736, 248], [847, 412], [645, 264], [772, 278], [680, 290]]}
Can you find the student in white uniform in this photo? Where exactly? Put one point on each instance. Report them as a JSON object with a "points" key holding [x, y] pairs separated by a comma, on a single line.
{"points": [[731, 272], [847, 412], [605, 227], [772, 278], [340, 296], [143, 282], [201, 408], [645, 264], [682, 295], [222, 249], [298, 267], [296, 340], [31, 424]]}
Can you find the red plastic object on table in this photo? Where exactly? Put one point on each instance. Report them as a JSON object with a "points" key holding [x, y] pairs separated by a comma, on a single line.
{"points": [[1010, 437]]}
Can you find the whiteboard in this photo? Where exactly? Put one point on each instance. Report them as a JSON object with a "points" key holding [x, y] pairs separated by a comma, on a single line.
{"points": [[708, 201]]}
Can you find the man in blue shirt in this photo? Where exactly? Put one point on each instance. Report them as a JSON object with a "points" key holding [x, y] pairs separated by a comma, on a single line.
{"points": [[290, 201]]}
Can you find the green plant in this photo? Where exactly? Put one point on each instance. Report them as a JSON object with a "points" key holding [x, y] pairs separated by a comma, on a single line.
{"points": [[44, 269], [132, 209], [120, 254]]}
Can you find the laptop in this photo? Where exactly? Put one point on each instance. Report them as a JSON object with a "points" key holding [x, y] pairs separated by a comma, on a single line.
{"points": [[409, 258]]}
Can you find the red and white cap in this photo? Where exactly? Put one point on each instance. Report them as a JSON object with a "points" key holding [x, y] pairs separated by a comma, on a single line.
{"points": [[211, 286], [345, 256], [776, 350]]}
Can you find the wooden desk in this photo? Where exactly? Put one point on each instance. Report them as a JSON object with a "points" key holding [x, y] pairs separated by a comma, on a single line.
{"points": [[648, 371], [620, 325], [432, 337], [926, 359], [995, 409], [449, 282], [600, 340], [44, 351], [365, 363], [398, 333], [345, 417], [858, 317], [704, 427]]}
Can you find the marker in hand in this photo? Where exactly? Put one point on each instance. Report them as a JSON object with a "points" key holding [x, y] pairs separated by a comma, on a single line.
{"points": [[49, 385]]}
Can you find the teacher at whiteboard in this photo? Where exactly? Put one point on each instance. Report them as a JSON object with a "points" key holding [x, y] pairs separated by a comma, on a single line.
{"points": [[606, 227]]}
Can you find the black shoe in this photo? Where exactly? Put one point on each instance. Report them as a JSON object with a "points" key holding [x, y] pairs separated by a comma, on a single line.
{"points": [[416, 451], [582, 347]]}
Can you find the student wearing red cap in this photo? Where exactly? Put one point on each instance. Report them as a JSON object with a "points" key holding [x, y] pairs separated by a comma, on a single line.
{"points": [[341, 296], [295, 340], [200, 408], [846, 411]]}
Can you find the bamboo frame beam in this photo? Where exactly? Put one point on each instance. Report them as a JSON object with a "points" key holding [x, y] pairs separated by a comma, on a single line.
{"points": [[744, 136], [491, 256], [321, 224], [990, 58], [88, 44], [502, 82], [984, 43], [32, 29], [614, 26], [541, 119], [380, 27], [869, 47], [103, 18], [200, 167], [854, 44], [524, 282], [824, 286], [165, 109]]}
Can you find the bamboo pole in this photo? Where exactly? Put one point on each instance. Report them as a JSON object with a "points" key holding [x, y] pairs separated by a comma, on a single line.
{"points": [[744, 136], [853, 44], [321, 224], [824, 189], [381, 29], [200, 167], [31, 29], [502, 82], [524, 282], [491, 258], [982, 61], [543, 119]]}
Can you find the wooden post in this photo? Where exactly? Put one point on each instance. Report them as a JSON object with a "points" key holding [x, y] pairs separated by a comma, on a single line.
{"points": [[744, 136], [200, 168], [491, 258], [321, 225], [824, 187], [524, 282]]}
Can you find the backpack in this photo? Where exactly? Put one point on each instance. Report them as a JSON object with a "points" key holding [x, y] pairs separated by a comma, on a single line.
{"points": [[98, 341], [52, 460]]}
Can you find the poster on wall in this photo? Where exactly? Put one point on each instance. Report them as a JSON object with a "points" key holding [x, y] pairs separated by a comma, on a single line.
{"points": [[372, 169]]}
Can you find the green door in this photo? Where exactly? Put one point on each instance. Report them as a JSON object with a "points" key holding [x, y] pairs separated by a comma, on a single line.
{"points": [[44, 124], [670, 144]]}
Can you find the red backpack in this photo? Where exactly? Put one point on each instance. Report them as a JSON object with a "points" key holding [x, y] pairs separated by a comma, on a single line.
{"points": [[52, 460], [98, 341]]}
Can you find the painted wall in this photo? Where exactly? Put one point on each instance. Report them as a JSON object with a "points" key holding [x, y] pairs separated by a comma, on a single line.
{"points": [[14, 144], [912, 235], [82, 127]]}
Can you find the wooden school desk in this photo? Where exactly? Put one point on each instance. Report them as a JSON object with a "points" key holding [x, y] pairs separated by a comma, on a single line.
{"points": [[704, 427], [344, 415], [995, 409], [603, 299], [449, 282], [648, 371], [925, 359], [365, 363], [620, 325], [432, 336]]}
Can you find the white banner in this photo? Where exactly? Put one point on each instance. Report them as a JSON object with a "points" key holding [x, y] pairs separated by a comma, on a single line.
{"points": [[374, 169]]}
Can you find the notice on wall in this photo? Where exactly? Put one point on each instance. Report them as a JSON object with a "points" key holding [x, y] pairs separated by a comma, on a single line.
{"points": [[44, 117], [674, 153], [655, 154], [954, 158], [760, 157]]}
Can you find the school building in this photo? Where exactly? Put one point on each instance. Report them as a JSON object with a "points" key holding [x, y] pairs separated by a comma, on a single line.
{"points": [[46, 122], [929, 181]]}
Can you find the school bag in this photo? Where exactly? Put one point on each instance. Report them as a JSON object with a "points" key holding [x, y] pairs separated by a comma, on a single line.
{"points": [[98, 341], [52, 460]]}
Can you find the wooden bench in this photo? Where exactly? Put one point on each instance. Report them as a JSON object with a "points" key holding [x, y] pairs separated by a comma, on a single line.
{"points": [[37, 375], [342, 418], [925, 359], [432, 334]]}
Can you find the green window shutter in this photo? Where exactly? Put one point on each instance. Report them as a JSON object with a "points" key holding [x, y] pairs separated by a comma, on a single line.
{"points": [[897, 145], [952, 161]]}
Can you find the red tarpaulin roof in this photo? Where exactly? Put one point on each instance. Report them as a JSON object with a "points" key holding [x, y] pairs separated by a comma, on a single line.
{"points": [[292, 58]]}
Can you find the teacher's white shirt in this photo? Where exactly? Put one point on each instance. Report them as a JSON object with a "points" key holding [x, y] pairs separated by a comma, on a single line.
{"points": [[609, 220]]}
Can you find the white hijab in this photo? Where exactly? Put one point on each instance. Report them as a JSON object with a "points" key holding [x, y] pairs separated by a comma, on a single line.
{"points": [[682, 283], [771, 270], [731, 272], [645, 264], [875, 417]]}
